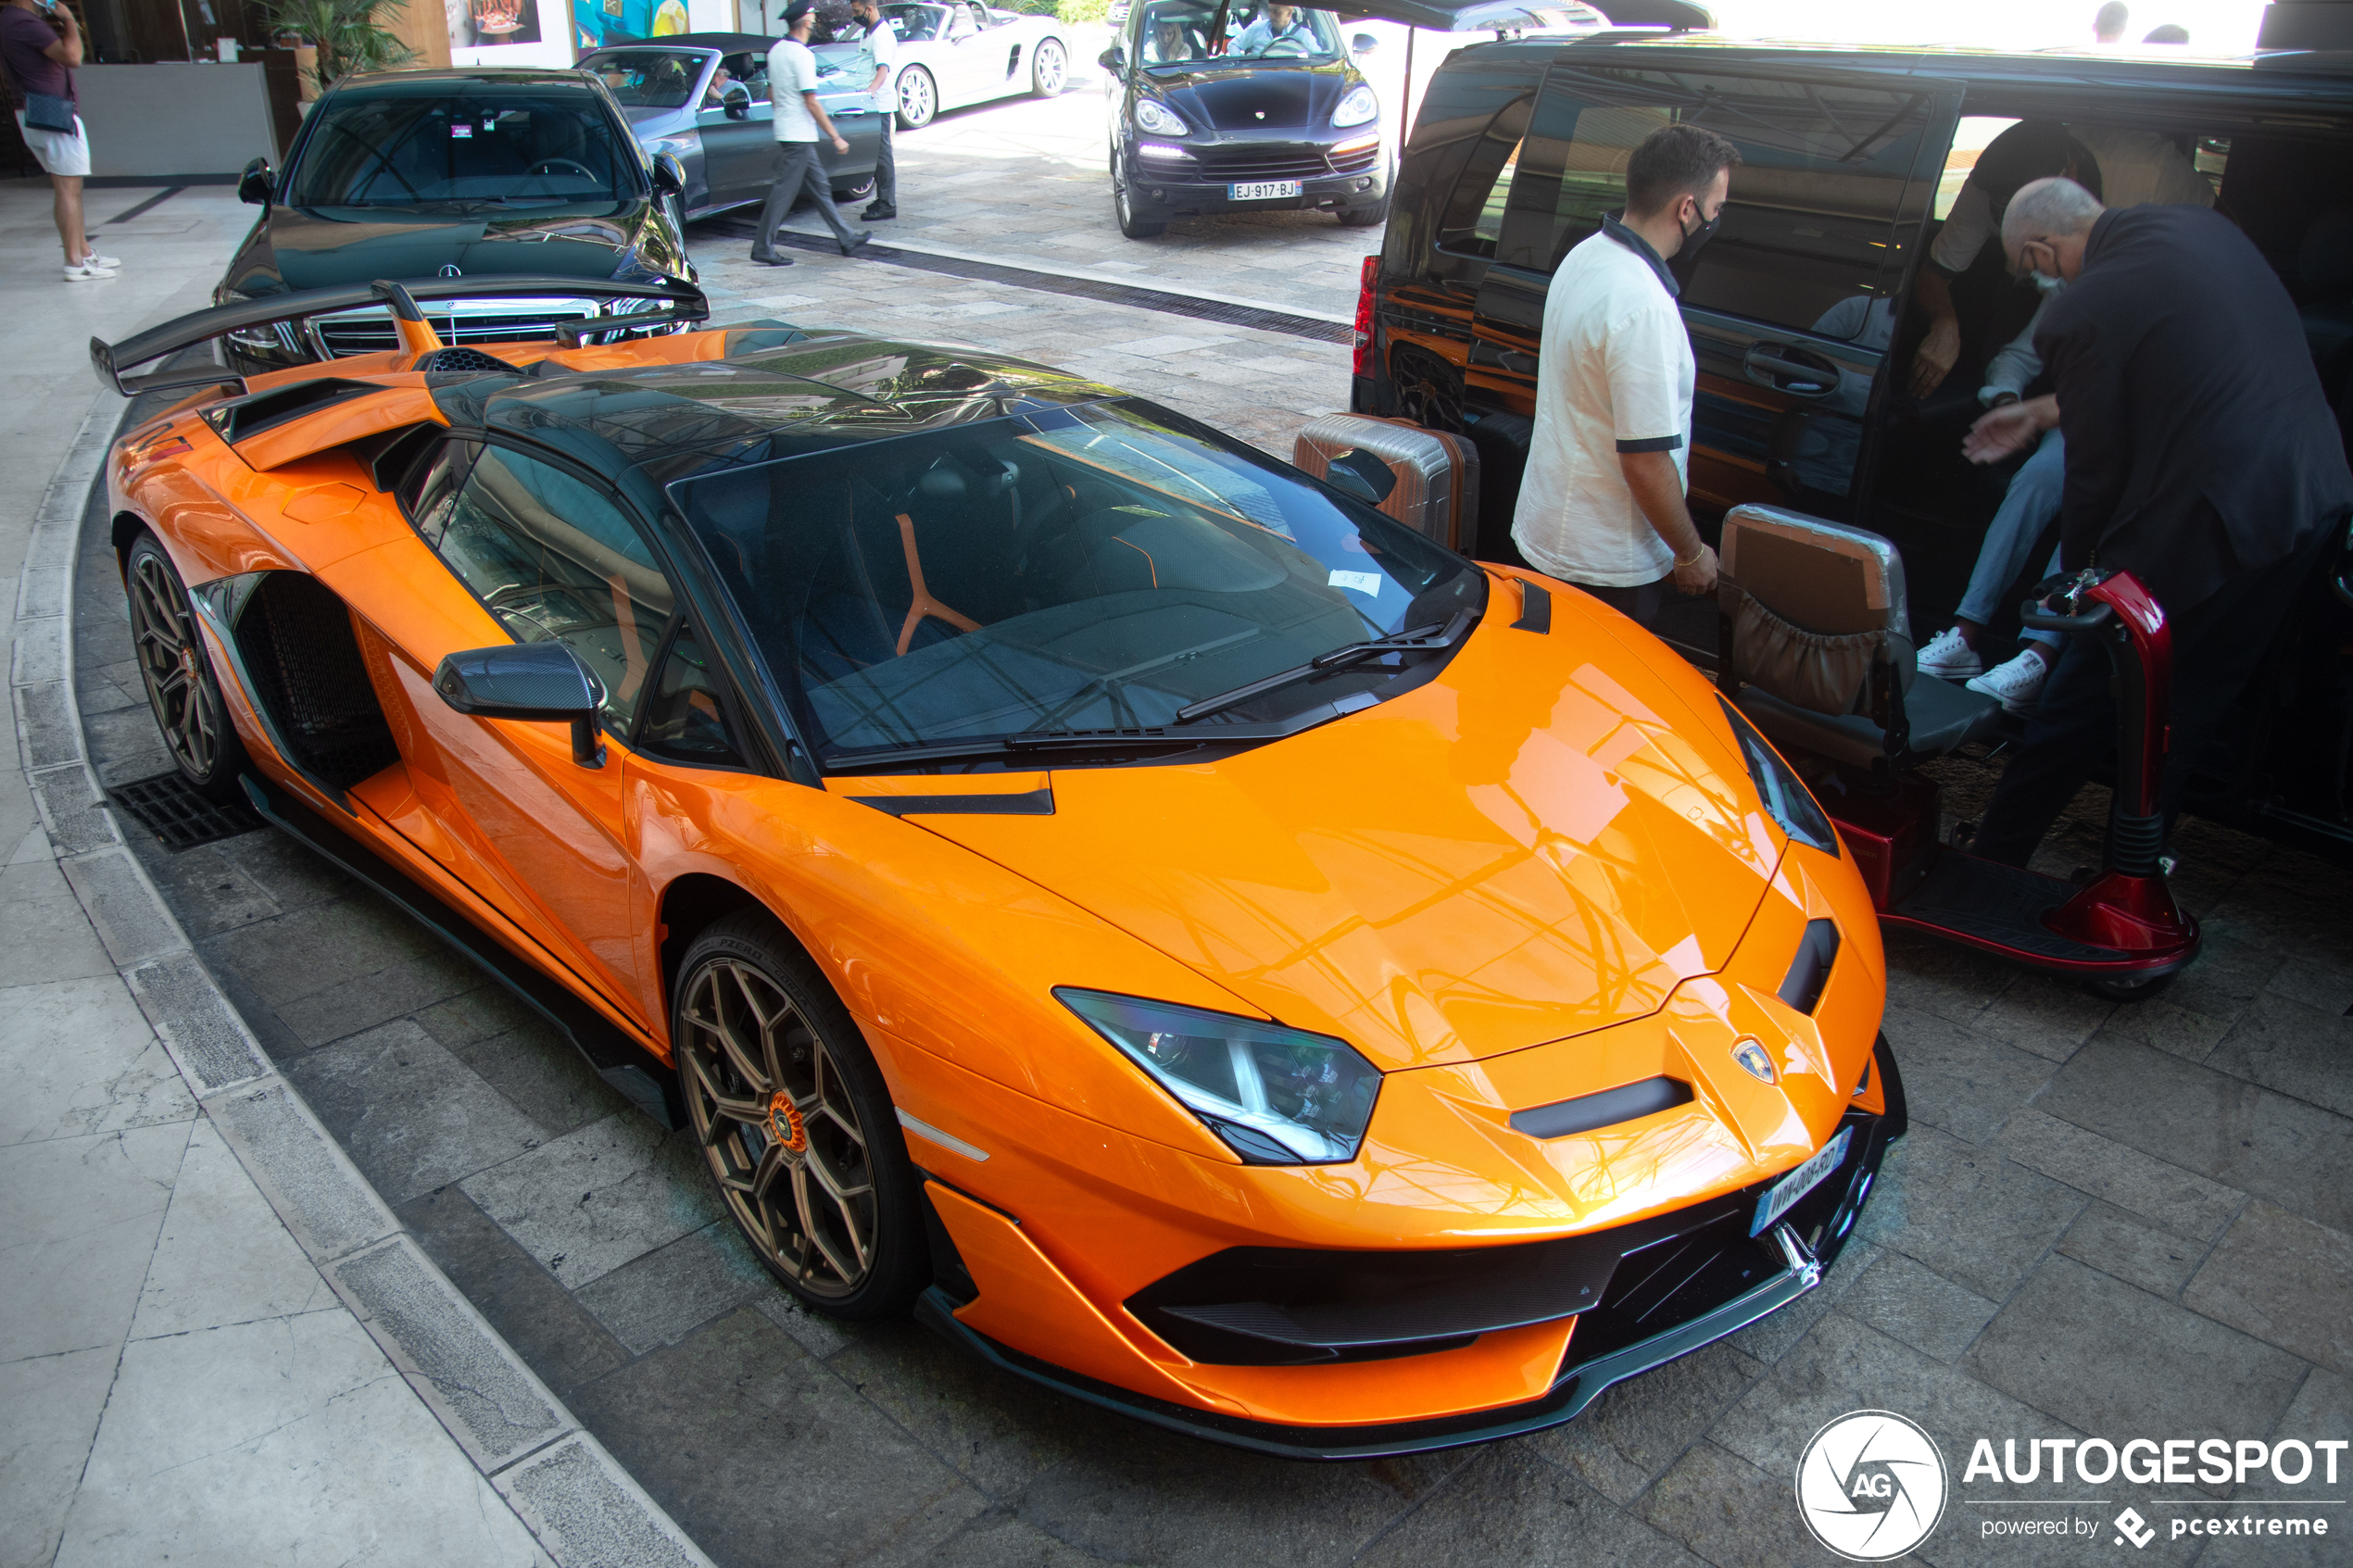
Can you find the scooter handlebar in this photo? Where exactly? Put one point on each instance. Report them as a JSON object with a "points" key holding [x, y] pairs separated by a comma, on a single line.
{"points": [[2065, 589]]}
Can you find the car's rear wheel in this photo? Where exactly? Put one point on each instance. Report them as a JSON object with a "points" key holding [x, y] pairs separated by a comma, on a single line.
{"points": [[1124, 209], [918, 98], [1049, 68], [182, 688], [796, 1123]]}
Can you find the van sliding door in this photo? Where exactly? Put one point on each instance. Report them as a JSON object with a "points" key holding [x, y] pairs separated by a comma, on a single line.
{"points": [[1792, 305]]}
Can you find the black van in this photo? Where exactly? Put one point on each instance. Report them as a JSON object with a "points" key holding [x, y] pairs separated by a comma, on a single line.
{"points": [[1800, 309]]}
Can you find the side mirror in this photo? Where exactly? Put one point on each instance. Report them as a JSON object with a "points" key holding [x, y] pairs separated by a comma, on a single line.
{"points": [[257, 185], [1364, 44], [537, 681], [670, 176], [1114, 59], [735, 103]]}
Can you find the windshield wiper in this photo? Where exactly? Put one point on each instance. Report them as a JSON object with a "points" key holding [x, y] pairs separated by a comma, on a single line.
{"points": [[1040, 742], [1421, 637]]}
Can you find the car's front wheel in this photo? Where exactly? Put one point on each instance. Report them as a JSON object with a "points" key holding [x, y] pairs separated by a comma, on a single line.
{"points": [[795, 1123], [1049, 68], [1365, 217], [181, 686], [918, 98], [1124, 208]]}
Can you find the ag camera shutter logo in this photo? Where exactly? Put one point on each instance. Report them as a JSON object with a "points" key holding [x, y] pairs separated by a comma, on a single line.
{"points": [[1870, 1486]]}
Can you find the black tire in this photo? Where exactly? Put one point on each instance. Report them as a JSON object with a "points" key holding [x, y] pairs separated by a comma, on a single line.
{"points": [[1124, 209], [2127, 990], [182, 691], [918, 98], [1365, 217], [767, 1056], [855, 192]]}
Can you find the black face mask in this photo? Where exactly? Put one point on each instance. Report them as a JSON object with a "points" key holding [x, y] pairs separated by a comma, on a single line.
{"points": [[1694, 238]]}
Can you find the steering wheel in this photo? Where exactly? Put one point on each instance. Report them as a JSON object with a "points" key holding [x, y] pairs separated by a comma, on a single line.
{"points": [[1290, 48], [559, 165]]}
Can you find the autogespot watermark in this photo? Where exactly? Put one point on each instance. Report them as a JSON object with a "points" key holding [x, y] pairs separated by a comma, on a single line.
{"points": [[1873, 1485]]}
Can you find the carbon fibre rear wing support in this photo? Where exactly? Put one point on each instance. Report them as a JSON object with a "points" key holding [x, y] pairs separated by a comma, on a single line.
{"points": [[114, 361]]}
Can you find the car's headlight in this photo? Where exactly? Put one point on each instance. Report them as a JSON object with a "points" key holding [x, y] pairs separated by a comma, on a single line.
{"points": [[1787, 800], [1275, 1095], [1160, 121], [1357, 107]]}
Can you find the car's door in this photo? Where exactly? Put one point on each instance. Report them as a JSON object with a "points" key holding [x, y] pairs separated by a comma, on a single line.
{"points": [[1792, 307], [553, 556], [847, 103], [971, 65], [739, 133]]}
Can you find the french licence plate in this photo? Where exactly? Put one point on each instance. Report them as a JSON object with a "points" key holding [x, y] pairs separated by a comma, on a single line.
{"points": [[1262, 189], [1798, 1183]]}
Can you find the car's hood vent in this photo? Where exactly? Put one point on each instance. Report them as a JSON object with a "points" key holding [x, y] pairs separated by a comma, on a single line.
{"points": [[1541, 842]]}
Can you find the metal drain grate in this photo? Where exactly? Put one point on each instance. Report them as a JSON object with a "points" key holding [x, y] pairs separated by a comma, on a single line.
{"points": [[1170, 303], [168, 807]]}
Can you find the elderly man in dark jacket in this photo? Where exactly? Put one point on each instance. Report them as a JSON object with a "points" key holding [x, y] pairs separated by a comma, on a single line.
{"points": [[2201, 456]]}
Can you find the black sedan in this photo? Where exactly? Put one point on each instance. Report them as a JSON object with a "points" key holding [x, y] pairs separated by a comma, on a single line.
{"points": [[452, 173], [1223, 105]]}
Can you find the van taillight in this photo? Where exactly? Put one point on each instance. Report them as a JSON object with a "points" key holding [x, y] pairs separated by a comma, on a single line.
{"points": [[1364, 366]]}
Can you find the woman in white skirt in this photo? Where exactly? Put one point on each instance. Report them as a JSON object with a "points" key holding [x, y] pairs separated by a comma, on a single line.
{"points": [[40, 44]]}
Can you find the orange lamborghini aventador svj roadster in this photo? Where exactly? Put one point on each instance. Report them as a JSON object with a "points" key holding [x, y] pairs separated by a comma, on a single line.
{"points": [[1186, 936]]}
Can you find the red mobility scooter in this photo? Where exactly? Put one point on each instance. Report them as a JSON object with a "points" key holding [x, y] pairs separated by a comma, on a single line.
{"points": [[1816, 652]]}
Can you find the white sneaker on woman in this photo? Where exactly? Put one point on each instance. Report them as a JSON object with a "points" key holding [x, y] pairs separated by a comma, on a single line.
{"points": [[106, 262], [85, 272], [1948, 656], [2017, 684]]}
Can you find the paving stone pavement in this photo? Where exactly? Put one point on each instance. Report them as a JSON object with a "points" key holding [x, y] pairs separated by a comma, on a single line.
{"points": [[2107, 1221]]}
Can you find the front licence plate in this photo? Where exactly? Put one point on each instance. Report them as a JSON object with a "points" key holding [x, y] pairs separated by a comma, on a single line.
{"points": [[1798, 1183], [1262, 189]]}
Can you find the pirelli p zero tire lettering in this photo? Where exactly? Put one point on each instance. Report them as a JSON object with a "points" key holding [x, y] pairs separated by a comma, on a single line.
{"points": [[796, 1123], [182, 688]]}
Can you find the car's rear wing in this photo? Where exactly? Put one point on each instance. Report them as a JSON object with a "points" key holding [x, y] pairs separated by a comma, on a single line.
{"points": [[115, 360]]}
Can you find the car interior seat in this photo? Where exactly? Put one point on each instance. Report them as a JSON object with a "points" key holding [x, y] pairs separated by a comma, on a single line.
{"points": [[1815, 645]]}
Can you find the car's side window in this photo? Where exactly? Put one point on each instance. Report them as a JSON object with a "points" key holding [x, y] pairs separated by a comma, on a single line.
{"points": [[1472, 221], [1811, 223], [555, 558], [749, 71], [429, 490], [685, 717]]}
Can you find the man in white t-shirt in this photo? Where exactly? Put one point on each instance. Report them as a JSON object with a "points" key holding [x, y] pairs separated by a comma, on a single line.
{"points": [[878, 57], [1602, 505], [792, 86]]}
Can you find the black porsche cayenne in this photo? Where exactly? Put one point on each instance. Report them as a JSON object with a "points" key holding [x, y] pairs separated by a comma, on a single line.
{"points": [[1221, 106]]}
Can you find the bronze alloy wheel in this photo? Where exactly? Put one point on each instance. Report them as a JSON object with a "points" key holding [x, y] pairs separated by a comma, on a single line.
{"points": [[179, 678], [791, 1115]]}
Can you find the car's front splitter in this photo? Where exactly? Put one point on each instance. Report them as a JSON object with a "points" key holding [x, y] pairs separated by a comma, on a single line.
{"points": [[1155, 199], [1805, 1240]]}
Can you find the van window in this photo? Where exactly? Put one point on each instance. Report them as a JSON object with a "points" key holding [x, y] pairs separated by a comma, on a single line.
{"points": [[1473, 222], [1811, 222]]}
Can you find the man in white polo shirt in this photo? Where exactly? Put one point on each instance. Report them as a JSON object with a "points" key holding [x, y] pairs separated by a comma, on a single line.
{"points": [[877, 60], [792, 86], [1602, 504]]}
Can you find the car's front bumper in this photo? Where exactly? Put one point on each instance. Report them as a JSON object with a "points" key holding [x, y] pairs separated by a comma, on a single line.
{"points": [[1161, 188], [1705, 1282]]}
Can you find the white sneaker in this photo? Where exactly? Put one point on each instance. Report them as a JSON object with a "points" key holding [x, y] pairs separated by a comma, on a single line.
{"points": [[107, 263], [2018, 684], [85, 272], [1949, 657]]}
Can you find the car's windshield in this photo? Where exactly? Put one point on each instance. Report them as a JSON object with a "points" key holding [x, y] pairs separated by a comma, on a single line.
{"points": [[648, 79], [1179, 32], [917, 24], [1088, 569], [516, 148]]}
